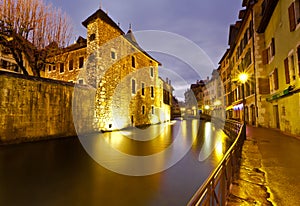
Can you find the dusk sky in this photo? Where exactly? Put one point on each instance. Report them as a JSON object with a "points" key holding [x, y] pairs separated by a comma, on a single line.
{"points": [[204, 22]]}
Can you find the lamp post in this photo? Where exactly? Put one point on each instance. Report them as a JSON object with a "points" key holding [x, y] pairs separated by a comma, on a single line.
{"points": [[243, 77]]}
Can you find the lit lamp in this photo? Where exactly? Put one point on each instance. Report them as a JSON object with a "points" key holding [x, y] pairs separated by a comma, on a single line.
{"points": [[243, 77]]}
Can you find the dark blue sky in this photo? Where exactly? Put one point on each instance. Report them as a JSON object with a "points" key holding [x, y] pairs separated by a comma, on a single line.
{"points": [[205, 22]]}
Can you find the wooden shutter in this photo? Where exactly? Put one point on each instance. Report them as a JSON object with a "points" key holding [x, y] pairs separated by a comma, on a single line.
{"points": [[292, 17], [287, 72], [265, 56], [298, 56], [273, 46], [275, 76], [263, 86]]}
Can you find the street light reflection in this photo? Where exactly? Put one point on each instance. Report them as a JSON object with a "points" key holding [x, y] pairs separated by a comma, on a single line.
{"points": [[220, 145]]}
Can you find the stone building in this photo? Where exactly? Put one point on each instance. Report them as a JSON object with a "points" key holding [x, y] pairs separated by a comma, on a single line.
{"points": [[245, 56], [198, 90], [68, 63], [128, 90]]}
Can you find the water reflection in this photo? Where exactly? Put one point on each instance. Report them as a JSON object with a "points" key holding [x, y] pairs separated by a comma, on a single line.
{"points": [[60, 172]]}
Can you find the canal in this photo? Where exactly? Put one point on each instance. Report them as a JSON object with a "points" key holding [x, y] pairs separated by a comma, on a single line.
{"points": [[61, 172]]}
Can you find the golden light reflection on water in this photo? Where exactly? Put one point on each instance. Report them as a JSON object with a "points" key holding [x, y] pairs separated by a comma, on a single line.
{"points": [[220, 145], [214, 142], [209, 143]]}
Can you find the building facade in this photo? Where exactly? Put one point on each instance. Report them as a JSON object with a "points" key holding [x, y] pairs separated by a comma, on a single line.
{"points": [[280, 26], [128, 90], [264, 44]]}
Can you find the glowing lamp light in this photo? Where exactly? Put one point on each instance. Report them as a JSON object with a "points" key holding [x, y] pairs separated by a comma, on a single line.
{"points": [[243, 77], [206, 107], [217, 103]]}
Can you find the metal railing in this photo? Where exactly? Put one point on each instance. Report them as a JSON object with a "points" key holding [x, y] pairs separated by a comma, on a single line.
{"points": [[216, 188]]}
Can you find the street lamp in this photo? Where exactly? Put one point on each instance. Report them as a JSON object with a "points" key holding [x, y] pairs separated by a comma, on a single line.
{"points": [[243, 77]]}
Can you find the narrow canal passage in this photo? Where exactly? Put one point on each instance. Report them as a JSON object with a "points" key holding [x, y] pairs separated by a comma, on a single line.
{"points": [[60, 172]]}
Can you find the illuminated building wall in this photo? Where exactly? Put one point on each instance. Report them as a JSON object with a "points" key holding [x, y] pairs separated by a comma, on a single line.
{"points": [[280, 25], [125, 77]]}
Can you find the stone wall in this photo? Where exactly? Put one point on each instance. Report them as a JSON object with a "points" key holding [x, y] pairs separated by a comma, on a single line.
{"points": [[36, 108]]}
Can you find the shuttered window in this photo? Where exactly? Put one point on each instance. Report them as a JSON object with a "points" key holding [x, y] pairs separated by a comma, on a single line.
{"points": [[292, 17], [61, 67], [275, 76], [265, 56], [133, 87], [273, 47], [287, 72], [133, 61]]}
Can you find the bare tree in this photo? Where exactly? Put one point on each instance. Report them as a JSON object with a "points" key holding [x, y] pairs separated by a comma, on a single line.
{"points": [[33, 30]]}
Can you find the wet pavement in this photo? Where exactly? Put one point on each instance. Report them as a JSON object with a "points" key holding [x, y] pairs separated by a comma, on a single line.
{"points": [[269, 172], [60, 172]]}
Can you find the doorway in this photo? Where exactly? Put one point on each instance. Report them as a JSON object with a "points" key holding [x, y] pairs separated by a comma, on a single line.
{"points": [[276, 116]]}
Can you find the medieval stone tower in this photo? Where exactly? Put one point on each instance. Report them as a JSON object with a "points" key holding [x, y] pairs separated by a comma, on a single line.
{"points": [[125, 77]]}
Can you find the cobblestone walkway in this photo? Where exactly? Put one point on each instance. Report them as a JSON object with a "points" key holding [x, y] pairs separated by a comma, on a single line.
{"points": [[249, 186]]}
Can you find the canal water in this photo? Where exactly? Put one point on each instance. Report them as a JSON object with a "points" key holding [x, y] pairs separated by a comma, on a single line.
{"points": [[61, 172]]}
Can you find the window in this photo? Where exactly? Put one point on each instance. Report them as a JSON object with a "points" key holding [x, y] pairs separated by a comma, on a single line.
{"points": [[269, 52], [61, 68], [152, 109], [143, 109], [294, 14], [287, 71], [113, 54], [292, 67], [151, 72], [152, 91], [53, 68], [166, 97], [92, 37], [81, 62], [71, 65], [80, 81], [272, 47], [247, 89], [273, 79], [133, 61], [49, 68], [247, 60], [133, 86], [265, 57], [143, 89]]}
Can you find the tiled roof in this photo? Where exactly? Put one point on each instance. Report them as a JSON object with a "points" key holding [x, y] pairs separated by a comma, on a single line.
{"points": [[102, 15]]}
